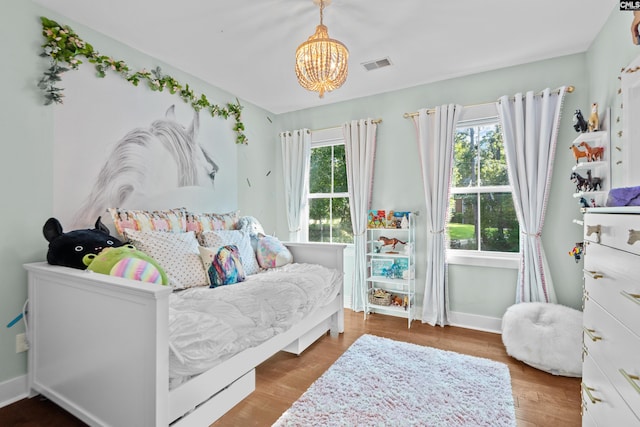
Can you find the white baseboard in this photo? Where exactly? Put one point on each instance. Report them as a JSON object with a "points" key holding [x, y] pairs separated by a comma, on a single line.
{"points": [[13, 390], [476, 321]]}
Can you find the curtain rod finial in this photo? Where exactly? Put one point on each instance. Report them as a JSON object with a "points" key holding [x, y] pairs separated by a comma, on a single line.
{"points": [[570, 89]]}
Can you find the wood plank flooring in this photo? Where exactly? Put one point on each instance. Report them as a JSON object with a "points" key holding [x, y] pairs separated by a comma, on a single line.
{"points": [[541, 399]]}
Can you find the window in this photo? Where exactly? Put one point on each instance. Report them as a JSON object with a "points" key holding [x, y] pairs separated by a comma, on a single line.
{"points": [[329, 217], [482, 216]]}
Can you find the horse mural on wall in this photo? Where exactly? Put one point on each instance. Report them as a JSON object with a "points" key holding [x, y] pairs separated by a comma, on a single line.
{"points": [[147, 160]]}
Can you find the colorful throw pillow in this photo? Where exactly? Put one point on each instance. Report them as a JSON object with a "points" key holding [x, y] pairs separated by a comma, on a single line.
{"points": [[200, 222], [177, 253], [271, 253], [173, 220], [238, 238], [223, 265], [128, 262]]}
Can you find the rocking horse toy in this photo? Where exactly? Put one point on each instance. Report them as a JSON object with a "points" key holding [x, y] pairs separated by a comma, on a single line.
{"points": [[390, 242]]}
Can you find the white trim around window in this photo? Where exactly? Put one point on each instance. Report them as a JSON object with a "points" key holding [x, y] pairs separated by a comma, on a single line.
{"points": [[471, 116]]}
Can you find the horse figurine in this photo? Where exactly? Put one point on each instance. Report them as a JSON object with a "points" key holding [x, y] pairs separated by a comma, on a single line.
{"points": [[594, 122], [390, 241], [595, 153], [578, 153], [579, 123], [595, 183], [582, 184]]}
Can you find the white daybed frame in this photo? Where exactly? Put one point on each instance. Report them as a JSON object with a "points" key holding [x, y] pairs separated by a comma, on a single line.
{"points": [[99, 347]]}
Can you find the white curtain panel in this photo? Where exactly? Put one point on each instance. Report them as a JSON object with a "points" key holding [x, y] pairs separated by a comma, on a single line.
{"points": [[436, 131], [530, 130], [296, 158], [360, 149]]}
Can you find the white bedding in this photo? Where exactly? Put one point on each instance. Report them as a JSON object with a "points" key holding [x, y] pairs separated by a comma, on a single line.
{"points": [[208, 326]]}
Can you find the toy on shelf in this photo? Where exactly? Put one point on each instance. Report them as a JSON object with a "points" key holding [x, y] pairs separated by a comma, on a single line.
{"points": [[578, 153], [584, 203], [386, 241], [594, 153], [579, 123], [581, 183], [594, 182], [594, 121], [376, 219]]}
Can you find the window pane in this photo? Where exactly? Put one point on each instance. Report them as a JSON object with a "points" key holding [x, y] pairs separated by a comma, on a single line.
{"points": [[319, 220], [320, 173], [500, 230], [464, 160], [463, 222], [340, 170], [493, 164], [341, 221]]}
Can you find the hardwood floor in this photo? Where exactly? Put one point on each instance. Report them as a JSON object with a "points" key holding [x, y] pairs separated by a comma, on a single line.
{"points": [[541, 399]]}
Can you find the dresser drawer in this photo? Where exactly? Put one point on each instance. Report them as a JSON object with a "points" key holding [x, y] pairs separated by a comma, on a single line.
{"points": [[613, 281], [600, 402], [614, 230], [615, 350]]}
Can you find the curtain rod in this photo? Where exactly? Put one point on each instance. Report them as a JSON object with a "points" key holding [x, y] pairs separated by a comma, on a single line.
{"points": [[376, 121], [570, 89]]}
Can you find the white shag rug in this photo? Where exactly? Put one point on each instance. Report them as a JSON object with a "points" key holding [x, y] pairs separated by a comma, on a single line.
{"points": [[382, 382]]}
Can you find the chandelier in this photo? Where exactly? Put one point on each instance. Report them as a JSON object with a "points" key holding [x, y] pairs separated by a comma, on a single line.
{"points": [[321, 62]]}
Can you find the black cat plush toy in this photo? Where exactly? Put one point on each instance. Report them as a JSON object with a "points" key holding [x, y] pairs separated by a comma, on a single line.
{"points": [[69, 249]]}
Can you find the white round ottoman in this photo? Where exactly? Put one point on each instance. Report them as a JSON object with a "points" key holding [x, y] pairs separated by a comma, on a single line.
{"points": [[546, 336]]}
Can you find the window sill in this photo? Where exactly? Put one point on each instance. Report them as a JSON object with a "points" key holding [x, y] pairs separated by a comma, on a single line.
{"points": [[495, 260]]}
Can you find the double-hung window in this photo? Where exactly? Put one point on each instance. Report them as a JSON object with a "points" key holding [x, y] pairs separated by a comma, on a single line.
{"points": [[329, 217], [482, 219]]}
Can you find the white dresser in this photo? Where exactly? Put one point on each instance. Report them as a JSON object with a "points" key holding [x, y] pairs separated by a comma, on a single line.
{"points": [[611, 325]]}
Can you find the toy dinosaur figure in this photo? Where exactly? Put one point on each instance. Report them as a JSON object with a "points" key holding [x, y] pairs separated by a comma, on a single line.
{"points": [[390, 241]]}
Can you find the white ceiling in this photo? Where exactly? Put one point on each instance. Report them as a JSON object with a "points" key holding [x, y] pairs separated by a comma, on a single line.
{"points": [[247, 47]]}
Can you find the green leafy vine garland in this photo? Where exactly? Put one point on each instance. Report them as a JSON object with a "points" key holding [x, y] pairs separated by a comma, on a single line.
{"points": [[64, 46]]}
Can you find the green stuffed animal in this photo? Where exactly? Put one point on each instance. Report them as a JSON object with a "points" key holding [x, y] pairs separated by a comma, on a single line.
{"points": [[126, 261]]}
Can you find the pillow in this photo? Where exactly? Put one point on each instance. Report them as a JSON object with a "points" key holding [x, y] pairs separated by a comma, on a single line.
{"points": [[271, 253], [177, 253], [169, 220], [200, 222], [238, 238], [223, 265]]}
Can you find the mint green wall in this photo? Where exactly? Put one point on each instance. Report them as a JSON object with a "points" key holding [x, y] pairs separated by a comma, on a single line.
{"points": [[26, 167], [25, 170]]}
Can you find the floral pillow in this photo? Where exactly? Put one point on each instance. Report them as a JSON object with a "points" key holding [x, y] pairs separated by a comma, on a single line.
{"points": [[223, 265], [271, 253], [238, 238], [200, 222], [172, 220], [177, 253]]}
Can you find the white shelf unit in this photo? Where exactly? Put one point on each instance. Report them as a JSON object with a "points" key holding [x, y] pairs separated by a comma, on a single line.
{"points": [[382, 275], [598, 169]]}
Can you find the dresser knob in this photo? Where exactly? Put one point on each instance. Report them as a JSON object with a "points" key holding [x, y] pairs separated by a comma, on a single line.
{"points": [[593, 274], [634, 236], [587, 391], [633, 297], [632, 379], [591, 334], [591, 229]]}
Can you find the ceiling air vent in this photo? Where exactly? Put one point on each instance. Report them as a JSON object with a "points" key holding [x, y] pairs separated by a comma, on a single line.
{"points": [[378, 63]]}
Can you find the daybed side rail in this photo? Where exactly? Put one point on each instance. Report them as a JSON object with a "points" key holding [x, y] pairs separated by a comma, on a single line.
{"points": [[330, 255], [99, 345]]}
